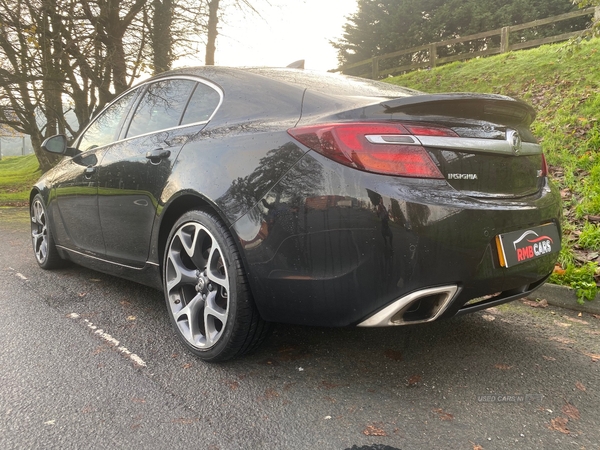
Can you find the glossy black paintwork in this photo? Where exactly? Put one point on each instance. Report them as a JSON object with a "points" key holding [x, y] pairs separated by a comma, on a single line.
{"points": [[333, 254], [130, 190], [73, 203], [327, 107], [494, 108], [500, 176], [322, 243]]}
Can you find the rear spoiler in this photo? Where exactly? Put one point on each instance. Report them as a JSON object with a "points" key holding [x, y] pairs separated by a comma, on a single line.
{"points": [[488, 107]]}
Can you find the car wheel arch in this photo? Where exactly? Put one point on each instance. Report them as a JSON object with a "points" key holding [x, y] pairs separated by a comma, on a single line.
{"points": [[32, 194], [44, 189], [177, 207]]}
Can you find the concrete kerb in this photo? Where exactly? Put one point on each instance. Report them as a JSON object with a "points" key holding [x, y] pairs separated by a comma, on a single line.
{"points": [[565, 297]]}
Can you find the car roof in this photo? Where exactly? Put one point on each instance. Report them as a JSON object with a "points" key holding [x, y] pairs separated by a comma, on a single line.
{"points": [[320, 82]]}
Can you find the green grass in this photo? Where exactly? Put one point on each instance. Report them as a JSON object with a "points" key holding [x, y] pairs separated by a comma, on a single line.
{"points": [[563, 87], [17, 175], [590, 237]]}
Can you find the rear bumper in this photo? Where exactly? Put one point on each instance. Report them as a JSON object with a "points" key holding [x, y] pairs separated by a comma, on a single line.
{"points": [[333, 246]]}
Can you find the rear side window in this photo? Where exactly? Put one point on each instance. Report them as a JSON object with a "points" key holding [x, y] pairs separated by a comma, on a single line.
{"points": [[203, 103], [161, 107]]}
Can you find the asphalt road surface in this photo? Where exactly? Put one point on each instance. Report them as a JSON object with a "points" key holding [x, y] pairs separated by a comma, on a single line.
{"points": [[89, 361]]}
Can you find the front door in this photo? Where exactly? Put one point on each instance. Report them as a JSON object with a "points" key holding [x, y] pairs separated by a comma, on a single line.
{"points": [[78, 225]]}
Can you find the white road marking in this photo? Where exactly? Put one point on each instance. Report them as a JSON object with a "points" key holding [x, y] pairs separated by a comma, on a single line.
{"points": [[21, 276], [112, 341]]}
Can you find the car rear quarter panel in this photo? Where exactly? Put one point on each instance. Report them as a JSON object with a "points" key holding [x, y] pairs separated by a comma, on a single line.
{"points": [[330, 245], [243, 151]]}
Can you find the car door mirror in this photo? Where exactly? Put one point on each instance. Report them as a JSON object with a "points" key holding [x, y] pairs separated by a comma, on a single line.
{"points": [[56, 144]]}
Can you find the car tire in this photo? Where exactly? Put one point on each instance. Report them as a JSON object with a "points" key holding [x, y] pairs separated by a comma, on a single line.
{"points": [[44, 248], [206, 290]]}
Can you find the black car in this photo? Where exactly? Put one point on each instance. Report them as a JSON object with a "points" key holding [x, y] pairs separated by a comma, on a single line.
{"points": [[256, 195]]}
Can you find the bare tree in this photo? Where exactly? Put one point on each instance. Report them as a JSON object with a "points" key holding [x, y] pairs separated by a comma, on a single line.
{"points": [[113, 32], [62, 57], [57, 55], [162, 42], [211, 41], [30, 72], [177, 29], [215, 11]]}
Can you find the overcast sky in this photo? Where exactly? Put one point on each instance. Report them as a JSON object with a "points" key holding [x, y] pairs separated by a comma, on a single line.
{"points": [[289, 30]]}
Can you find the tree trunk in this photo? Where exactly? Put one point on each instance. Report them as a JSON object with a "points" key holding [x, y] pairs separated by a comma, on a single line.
{"points": [[46, 159], [119, 66], [116, 27], [211, 40], [51, 47], [161, 35]]}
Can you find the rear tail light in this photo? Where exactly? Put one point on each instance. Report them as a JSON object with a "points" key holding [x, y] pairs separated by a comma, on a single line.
{"points": [[385, 148], [428, 130]]}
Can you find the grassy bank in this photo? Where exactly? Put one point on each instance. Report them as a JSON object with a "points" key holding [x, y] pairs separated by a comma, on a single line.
{"points": [[563, 88], [17, 175]]}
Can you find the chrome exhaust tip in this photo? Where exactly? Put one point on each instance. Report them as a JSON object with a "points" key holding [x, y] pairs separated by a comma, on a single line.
{"points": [[421, 306]]}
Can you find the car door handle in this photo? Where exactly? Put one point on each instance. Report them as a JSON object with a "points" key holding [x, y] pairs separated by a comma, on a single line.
{"points": [[156, 155], [89, 171]]}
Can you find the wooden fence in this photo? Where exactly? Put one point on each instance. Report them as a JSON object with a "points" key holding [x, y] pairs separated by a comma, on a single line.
{"points": [[432, 49]]}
